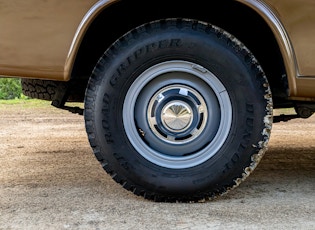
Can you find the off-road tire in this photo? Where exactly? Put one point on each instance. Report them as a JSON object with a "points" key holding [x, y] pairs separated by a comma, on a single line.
{"points": [[178, 110], [46, 89]]}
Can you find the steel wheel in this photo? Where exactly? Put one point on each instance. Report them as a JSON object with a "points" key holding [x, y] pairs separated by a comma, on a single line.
{"points": [[177, 114]]}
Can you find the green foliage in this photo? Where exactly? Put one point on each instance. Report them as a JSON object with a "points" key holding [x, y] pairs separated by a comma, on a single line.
{"points": [[10, 88]]}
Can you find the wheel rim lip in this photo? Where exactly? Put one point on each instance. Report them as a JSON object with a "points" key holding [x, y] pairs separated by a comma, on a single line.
{"points": [[161, 159]]}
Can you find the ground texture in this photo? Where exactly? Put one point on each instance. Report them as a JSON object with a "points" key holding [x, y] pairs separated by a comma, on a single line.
{"points": [[50, 179]]}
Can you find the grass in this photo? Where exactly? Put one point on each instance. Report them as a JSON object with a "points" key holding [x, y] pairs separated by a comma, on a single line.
{"points": [[25, 103], [42, 104], [31, 103]]}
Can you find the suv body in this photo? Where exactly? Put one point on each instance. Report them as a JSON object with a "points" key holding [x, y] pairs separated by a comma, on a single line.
{"points": [[178, 97]]}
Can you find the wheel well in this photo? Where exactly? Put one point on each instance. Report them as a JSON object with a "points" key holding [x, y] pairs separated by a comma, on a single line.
{"points": [[234, 17]]}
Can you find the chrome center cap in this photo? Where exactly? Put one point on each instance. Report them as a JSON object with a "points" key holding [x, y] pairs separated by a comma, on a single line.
{"points": [[177, 116]]}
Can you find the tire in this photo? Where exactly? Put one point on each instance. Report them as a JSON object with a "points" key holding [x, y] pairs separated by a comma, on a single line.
{"points": [[39, 89], [178, 111], [46, 89]]}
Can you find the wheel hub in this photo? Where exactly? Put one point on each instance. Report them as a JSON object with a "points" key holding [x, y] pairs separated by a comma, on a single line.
{"points": [[177, 116]]}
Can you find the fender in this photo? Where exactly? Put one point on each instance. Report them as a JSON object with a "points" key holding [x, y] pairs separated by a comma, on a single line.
{"points": [[82, 28], [298, 72], [272, 19], [260, 7]]}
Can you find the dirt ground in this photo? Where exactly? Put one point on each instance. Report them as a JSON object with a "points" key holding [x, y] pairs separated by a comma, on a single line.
{"points": [[50, 179]]}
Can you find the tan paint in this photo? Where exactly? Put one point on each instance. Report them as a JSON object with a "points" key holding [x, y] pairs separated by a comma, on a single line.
{"points": [[86, 21], [292, 22], [281, 35], [36, 36], [298, 18], [40, 39]]}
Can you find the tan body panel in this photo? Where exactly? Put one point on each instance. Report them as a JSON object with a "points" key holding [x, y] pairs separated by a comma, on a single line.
{"points": [[39, 39], [292, 22], [298, 19], [36, 36]]}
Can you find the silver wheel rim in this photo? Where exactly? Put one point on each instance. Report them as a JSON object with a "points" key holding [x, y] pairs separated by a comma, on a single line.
{"points": [[177, 114]]}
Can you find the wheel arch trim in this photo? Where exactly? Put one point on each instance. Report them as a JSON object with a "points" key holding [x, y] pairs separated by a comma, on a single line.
{"points": [[260, 7], [86, 21], [269, 15]]}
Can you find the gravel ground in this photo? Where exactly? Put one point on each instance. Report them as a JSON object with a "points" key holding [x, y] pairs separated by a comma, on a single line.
{"points": [[50, 179]]}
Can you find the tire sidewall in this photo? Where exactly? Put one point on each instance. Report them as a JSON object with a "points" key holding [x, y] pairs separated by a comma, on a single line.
{"points": [[125, 62]]}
